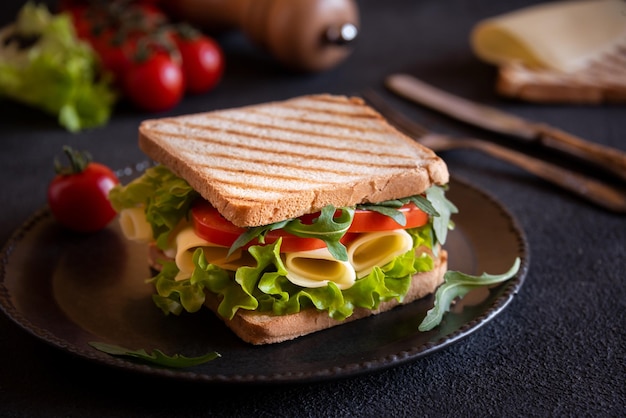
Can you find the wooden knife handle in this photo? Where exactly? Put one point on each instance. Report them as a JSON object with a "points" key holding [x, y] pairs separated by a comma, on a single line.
{"points": [[599, 193], [608, 159]]}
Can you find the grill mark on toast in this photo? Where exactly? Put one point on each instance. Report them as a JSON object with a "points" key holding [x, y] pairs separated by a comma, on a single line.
{"points": [[337, 123], [248, 174], [325, 157], [341, 101], [341, 176], [234, 131], [258, 161], [334, 112]]}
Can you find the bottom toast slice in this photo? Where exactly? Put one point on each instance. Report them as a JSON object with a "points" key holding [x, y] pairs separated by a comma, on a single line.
{"points": [[262, 328]]}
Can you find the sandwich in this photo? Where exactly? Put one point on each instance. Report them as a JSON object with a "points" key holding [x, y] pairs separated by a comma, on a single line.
{"points": [[289, 217]]}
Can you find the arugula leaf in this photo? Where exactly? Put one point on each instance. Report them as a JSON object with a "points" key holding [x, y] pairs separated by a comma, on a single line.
{"points": [[445, 208], [387, 210], [255, 232], [457, 284], [390, 207], [326, 227], [156, 357]]}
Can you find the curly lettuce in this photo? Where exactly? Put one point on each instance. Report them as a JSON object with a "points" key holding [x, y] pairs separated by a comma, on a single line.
{"points": [[166, 198], [43, 64], [265, 287]]}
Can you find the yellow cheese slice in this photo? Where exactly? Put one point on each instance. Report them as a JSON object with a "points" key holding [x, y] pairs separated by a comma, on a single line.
{"points": [[187, 241], [377, 249], [316, 268], [561, 35], [134, 225]]}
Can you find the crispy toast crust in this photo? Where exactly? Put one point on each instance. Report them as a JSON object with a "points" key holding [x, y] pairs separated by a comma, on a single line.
{"points": [[266, 163], [258, 328], [593, 85]]}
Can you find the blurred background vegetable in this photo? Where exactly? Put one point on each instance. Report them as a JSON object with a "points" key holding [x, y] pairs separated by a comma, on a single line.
{"points": [[153, 60], [43, 64]]}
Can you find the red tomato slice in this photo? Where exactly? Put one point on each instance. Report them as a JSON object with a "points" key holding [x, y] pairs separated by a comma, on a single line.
{"points": [[369, 221], [212, 226]]}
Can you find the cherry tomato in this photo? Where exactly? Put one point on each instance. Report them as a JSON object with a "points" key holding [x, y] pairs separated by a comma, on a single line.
{"points": [[202, 61], [154, 84], [147, 15], [78, 195], [368, 221], [116, 51]]}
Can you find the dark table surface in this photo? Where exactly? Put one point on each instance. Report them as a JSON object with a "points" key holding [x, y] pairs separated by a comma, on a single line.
{"points": [[557, 350]]}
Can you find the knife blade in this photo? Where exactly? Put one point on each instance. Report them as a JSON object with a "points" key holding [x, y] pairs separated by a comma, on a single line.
{"points": [[495, 120]]}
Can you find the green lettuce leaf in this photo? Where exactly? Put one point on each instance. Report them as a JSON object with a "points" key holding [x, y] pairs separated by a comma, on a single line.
{"points": [[457, 285], [55, 72], [265, 287], [166, 197]]}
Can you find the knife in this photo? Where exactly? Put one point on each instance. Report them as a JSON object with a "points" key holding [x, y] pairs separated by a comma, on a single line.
{"points": [[409, 87]]}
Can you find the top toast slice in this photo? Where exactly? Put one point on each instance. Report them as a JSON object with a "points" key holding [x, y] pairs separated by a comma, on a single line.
{"points": [[265, 163]]}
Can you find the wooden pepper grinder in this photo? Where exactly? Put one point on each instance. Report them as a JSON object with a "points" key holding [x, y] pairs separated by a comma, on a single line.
{"points": [[304, 35]]}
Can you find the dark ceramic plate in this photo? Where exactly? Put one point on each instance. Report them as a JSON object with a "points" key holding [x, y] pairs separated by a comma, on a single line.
{"points": [[69, 290]]}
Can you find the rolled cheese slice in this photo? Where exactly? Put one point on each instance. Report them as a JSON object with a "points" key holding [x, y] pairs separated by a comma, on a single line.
{"points": [[561, 35], [377, 249], [316, 268], [187, 241], [134, 225]]}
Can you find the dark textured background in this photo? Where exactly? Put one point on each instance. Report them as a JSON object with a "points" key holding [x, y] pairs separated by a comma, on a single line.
{"points": [[557, 350]]}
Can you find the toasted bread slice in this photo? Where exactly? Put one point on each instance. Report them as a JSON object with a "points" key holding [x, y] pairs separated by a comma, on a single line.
{"points": [[261, 328], [602, 82], [265, 163]]}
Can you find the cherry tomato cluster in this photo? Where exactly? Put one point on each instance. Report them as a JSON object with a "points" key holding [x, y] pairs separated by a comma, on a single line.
{"points": [[154, 61]]}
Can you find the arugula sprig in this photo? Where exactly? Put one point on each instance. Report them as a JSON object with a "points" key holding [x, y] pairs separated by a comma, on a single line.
{"points": [[330, 228], [435, 204], [390, 207], [156, 357], [457, 284], [327, 227], [441, 223]]}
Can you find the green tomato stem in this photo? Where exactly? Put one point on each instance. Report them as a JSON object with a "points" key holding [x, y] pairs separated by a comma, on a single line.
{"points": [[79, 160]]}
